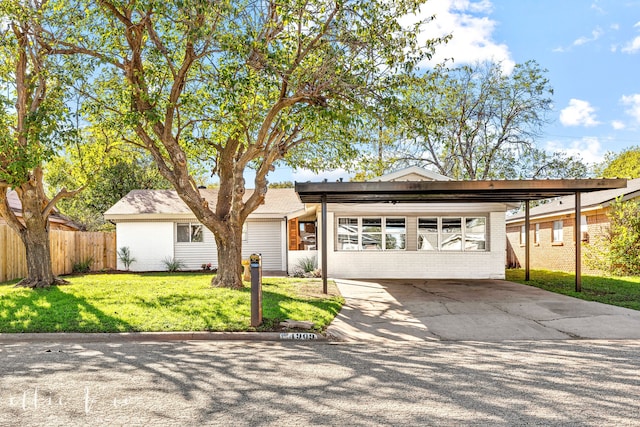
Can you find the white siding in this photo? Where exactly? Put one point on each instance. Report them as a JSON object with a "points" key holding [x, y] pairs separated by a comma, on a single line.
{"points": [[149, 243], [194, 254], [420, 264], [265, 237]]}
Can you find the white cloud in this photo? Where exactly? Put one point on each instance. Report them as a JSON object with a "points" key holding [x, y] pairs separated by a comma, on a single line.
{"points": [[578, 113], [589, 149], [633, 101], [595, 35], [618, 125], [472, 32], [633, 46]]}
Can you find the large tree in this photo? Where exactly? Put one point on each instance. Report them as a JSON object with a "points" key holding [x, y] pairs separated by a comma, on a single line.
{"points": [[238, 84], [33, 122], [472, 122]]}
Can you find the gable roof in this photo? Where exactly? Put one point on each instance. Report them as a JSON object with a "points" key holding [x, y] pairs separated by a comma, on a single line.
{"points": [[589, 201], [166, 204], [55, 217], [412, 173]]}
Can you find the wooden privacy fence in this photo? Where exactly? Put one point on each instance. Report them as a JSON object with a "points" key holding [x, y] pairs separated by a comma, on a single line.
{"points": [[67, 248]]}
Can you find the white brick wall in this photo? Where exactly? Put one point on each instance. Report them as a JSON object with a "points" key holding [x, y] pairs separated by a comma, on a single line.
{"points": [[421, 264], [149, 243]]}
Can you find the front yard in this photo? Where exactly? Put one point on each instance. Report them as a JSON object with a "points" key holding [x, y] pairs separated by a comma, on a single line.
{"points": [[620, 291], [157, 302]]}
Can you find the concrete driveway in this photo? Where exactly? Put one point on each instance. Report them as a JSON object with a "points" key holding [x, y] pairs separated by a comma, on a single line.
{"points": [[472, 310]]}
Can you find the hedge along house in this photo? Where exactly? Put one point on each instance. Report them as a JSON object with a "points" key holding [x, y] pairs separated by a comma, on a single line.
{"points": [[156, 225], [552, 228], [428, 228]]}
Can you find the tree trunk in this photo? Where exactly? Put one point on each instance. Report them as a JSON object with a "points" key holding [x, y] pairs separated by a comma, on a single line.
{"points": [[35, 236], [229, 245]]}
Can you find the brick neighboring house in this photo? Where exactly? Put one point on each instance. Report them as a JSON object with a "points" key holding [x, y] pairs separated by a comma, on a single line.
{"points": [[551, 232]]}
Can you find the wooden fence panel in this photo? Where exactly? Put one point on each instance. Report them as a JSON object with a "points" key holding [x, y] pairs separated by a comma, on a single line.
{"points": [[67, 249]]}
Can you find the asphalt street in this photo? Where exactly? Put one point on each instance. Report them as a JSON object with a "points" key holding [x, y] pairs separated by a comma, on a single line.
{"points": [[564, 383]]}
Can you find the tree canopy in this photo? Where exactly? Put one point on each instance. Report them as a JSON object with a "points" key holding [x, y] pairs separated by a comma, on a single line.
{"points": [[237, 85], [625, 164], [470, 122]]}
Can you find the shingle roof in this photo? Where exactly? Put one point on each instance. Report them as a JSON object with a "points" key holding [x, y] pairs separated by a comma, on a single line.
{"points": [[588, 200], [279, 202], [16, 206]]}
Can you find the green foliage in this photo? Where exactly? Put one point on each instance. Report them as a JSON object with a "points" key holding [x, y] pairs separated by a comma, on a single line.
{"points": [[107, 174], [124, 255], [305, 265], [160, 302], [83, 266], [173, 264], [283, 184], [470, 122], [617, 252], [625, 164]]}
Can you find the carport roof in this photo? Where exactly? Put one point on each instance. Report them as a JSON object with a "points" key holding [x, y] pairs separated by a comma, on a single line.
{"points": [[449, 191]]}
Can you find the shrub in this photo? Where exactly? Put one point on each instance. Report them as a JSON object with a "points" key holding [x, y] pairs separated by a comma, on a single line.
{"points": [[173, 264], [306, 267], [618, 251], [83, 266], [124, 254]]}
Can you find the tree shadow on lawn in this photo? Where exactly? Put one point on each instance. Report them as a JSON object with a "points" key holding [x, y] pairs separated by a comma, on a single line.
{"points": [[52, 310]]}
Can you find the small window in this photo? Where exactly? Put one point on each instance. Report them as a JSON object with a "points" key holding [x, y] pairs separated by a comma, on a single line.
{"points": [[372, 233], [475, 234], [451, 234], [395, 234], [189, 233], [348, 234], [557, 231], [428, 234], [523, 235]]}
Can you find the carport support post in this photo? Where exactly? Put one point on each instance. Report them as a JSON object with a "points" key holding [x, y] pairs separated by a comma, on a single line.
{"points": [[578, 240], [527, 246], [324, 244]]}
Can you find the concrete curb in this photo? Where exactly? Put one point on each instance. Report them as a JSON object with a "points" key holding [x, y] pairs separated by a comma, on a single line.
{"points": [[161, 336]]}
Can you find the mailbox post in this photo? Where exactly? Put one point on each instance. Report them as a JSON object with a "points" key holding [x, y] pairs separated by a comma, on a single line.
{"points": [[255, 262]]}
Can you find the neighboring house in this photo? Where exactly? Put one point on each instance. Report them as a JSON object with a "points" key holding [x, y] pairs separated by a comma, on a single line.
{"points": [[370, 240], [57, 221], [551, 232]]}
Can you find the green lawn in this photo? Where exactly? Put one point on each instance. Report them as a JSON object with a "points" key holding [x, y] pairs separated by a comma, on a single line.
{"points": [[161, 302], [621, 291]]}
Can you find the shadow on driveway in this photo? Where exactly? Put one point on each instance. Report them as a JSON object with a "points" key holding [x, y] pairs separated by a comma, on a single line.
{"points": [[472, 310]]}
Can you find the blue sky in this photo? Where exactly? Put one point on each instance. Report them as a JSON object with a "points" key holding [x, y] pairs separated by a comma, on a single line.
{"points": [[591, 49]]}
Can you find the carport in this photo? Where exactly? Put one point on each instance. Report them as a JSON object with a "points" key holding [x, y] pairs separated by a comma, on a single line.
{"points": [[503, 191]]}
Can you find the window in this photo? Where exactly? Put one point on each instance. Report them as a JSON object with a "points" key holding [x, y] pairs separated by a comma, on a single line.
{"points": [[523, 235], [557, 231], [188, 233], [428, 234], [371, 234], [452, 234], [475, 234], [395, 237], [348, 234], [536, 236]]}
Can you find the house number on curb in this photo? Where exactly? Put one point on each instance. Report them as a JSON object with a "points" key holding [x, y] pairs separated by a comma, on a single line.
{"points": [[298, 336]]}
